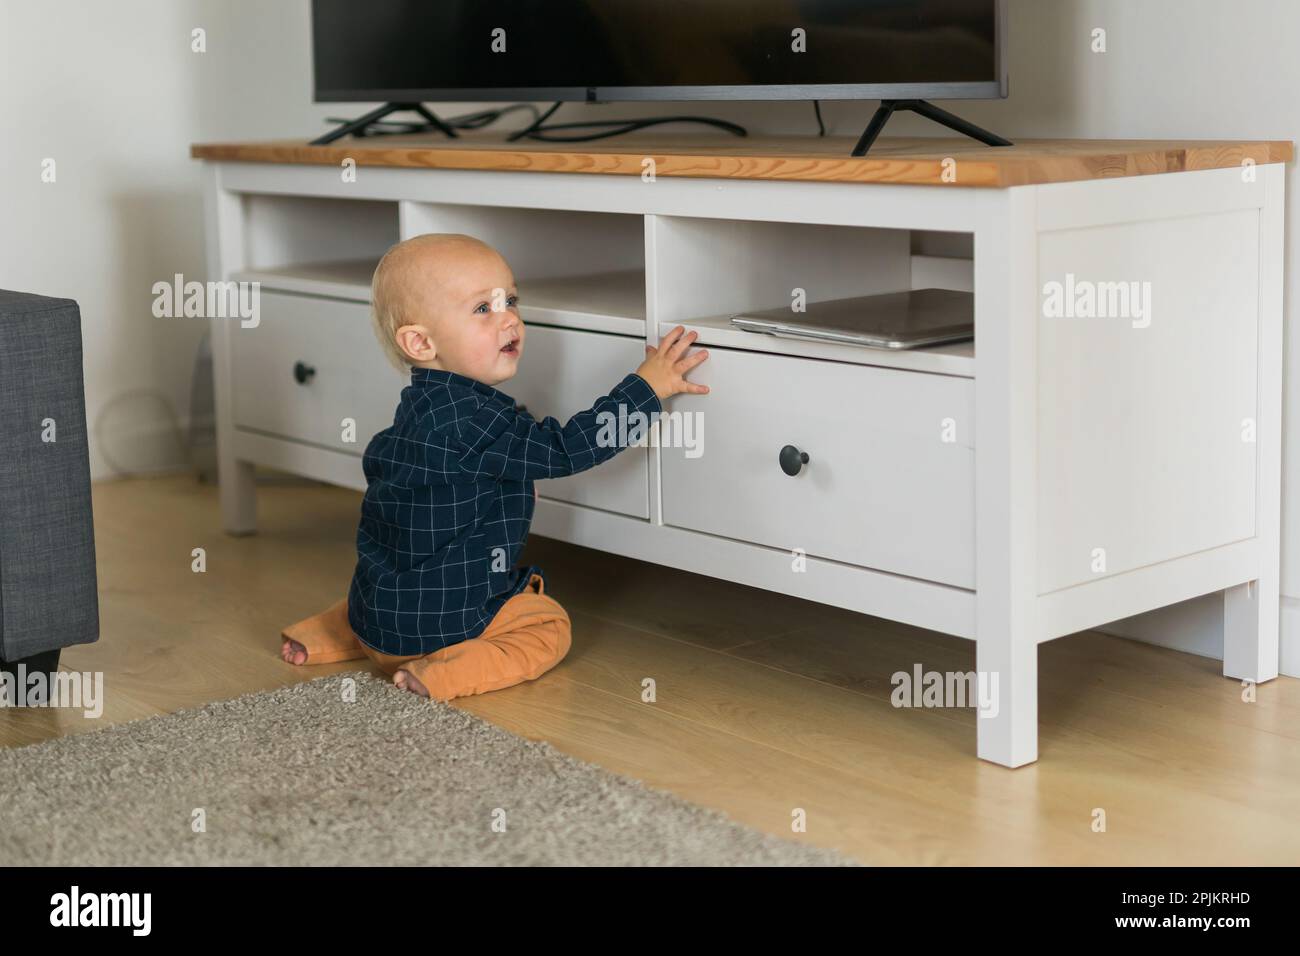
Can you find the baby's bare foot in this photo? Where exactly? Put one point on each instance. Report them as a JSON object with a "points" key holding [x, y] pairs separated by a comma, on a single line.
{"points": [[405, 680], [293, 652]]}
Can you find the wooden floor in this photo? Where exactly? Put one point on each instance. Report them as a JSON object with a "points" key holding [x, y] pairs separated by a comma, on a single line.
{"points": [[764, 703]]}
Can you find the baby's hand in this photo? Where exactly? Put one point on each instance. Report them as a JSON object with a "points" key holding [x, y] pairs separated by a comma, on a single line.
{"points": [[665, 367]]}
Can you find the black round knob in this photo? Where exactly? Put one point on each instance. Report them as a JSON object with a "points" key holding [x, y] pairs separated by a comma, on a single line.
{"points": [[302, 372], [792, 459]]}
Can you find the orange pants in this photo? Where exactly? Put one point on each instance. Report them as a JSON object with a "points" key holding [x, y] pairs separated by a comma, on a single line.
{"points": [[529, 635]]}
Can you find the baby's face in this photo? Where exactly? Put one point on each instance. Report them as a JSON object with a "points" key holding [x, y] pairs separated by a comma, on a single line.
{"points": [[471, 307]]}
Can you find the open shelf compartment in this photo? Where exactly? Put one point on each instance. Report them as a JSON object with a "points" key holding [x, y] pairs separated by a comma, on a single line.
{"points": [[705, 270]]}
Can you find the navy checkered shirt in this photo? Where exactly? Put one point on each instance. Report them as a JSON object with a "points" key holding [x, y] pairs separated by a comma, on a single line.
{"points": [[449, 500]]}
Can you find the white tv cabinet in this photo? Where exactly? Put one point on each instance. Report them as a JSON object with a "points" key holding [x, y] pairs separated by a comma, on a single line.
{"points": [[1057, 474]]}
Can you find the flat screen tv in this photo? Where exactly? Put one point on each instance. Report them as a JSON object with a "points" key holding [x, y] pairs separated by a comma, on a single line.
{"points": [[409, 51]]}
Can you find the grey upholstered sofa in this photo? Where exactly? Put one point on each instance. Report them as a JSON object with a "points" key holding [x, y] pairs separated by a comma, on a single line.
{"points": [[48, 599]]}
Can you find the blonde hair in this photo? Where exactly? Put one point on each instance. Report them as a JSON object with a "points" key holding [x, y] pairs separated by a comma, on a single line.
{"points": [[392, 301]]}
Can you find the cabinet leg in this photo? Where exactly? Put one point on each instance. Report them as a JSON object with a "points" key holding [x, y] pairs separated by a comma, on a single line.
{"points": [[1250, 630], [1007, 731], [238, 491]]}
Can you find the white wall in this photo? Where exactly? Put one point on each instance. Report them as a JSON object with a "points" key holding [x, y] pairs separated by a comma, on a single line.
{"points": [[114, 94], [108, 92]]}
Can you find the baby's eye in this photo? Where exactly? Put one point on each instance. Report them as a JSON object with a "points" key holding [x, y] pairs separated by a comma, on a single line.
{"points": [[483, 307]]}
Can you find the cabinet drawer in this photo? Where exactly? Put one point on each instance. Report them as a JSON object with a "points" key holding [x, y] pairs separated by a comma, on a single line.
{"points": [[889, 481], [563, 372], [351, 379]]}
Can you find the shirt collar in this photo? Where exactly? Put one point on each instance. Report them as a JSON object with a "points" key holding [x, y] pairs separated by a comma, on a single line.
{"points": [[426, 377]]}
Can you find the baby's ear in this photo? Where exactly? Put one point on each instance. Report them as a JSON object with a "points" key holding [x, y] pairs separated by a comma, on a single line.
{"points": [[415, 343]]}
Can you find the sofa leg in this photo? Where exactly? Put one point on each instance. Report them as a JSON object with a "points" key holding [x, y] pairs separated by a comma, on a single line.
{"points": [[47, 662]]}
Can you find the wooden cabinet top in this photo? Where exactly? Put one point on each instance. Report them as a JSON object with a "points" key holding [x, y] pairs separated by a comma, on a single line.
{"points": [[907, 160]]}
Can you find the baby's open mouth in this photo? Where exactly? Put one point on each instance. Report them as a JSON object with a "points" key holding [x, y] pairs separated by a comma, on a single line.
{"points": [[512, 348]]}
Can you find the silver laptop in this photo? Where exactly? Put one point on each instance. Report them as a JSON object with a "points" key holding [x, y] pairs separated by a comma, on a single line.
{"points": [[895, 320]]}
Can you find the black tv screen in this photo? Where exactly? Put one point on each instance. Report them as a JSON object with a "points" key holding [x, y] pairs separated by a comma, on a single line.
{"points": [[469, 50]]}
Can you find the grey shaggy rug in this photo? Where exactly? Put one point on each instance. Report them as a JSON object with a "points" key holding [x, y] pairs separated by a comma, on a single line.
{"points": [[299, 776]]}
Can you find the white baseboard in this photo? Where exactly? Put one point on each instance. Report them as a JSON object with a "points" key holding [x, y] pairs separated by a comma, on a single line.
{"points": [[1196, 627], [1289, 638]]}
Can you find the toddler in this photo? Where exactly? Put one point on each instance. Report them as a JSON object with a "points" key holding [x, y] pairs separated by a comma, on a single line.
{"points": [[437, 600]]}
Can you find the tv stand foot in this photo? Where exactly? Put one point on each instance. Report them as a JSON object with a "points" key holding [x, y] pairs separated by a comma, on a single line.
{"points": [[358, 126], [927, 109]]}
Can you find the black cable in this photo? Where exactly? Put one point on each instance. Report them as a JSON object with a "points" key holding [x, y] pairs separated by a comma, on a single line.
{"points": [[536, 130], [465, 121], [817, 108], [535, 124], [488, 117], [628, 126]]}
